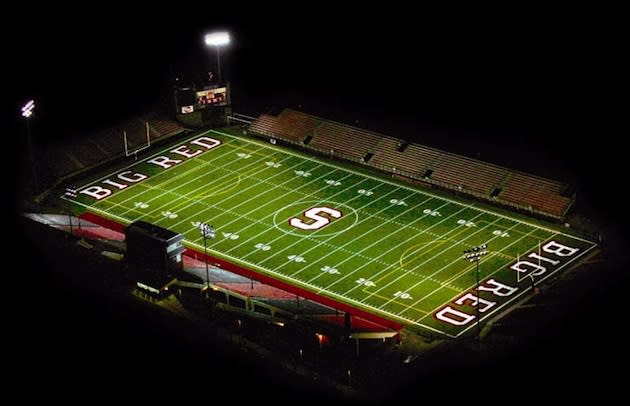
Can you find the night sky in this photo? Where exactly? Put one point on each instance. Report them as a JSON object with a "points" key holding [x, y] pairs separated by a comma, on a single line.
{"points": [[520, 90]]}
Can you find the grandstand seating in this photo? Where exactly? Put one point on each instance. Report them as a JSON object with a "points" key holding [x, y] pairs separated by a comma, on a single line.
{"points": [[265, 125], [340, 138], [90, 150], [535, 192], [296, 126], [527, 192], [386, 156]]}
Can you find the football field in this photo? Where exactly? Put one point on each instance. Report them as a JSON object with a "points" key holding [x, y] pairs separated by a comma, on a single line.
{"points": [[375, 244]]}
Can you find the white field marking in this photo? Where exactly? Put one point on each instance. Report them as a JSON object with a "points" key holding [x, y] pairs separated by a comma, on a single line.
{"points": [[372, 201], [425, 277], [145, 160], [397, 246], [284, 277], [328, 198], [231, 210], [525, 290], [374, 216], [193, 201], [389, 266], [319, 259], [245, 215], [314, 180], [463, 272], [434, 234], [150, 188], [364, 175], [411, 188], [350, 212], [171, 171], [157, 186], [257, 221], [528, 235], [392, 248], [173, 191], [184, 219]]}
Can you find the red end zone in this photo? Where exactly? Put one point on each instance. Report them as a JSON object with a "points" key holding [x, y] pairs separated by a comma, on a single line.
{"points": [[237, 269]]}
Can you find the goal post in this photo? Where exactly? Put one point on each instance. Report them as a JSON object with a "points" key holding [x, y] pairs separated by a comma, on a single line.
{"points": [[132, 150]]}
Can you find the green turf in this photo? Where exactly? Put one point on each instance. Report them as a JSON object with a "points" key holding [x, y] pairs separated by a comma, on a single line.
{"points": [[395, 252]]}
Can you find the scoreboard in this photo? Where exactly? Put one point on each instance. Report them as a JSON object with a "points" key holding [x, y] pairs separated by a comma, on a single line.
{"points": [[191, 99], [215, 97]]}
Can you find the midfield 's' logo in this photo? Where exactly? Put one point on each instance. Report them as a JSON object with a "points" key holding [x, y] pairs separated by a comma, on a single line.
{"points": [[312, 218]]}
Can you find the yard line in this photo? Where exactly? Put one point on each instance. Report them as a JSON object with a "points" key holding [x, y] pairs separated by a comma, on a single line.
{"points": [[397, 246], [242, 191], [202, 163], [240, 216], [278, 186], [171, 178], [215, 182], [314, 194], [417, 190], [423, 278], [299, 240], [424, 231], [173, 190], [359, 210], [369, 217], [192, 197], [163, 182], [455, 261], [463, 272]]}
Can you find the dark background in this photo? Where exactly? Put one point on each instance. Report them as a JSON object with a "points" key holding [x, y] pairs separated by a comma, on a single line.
{"points": [[525, 89]]}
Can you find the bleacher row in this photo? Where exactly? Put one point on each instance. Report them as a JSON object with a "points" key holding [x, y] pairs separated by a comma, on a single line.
{"points": [[418, 162], [93, 149]]}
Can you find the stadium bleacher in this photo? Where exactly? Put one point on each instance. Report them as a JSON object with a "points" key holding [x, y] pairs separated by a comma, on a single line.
{"points": [[417, 162], [340, 138], [93, 149]]}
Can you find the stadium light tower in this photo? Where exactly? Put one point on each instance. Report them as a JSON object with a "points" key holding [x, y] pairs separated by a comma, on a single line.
{"points": [[474, 255], [71, 193], [218, 40], [207, 231], [27, 113]]}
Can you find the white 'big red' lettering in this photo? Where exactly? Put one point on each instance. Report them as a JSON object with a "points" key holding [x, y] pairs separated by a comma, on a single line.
{"points": [[128, 177], [454, 317], [318, 221], [560, 250], [164, 161], [185, 152], [526, 266], [96, 192], [475, 301], [497, 288]]}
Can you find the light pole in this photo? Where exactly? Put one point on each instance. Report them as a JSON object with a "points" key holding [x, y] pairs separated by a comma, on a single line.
{"points": [[474, 255], [71, 193], [27, 112], [218, 39], [207, 231]]}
